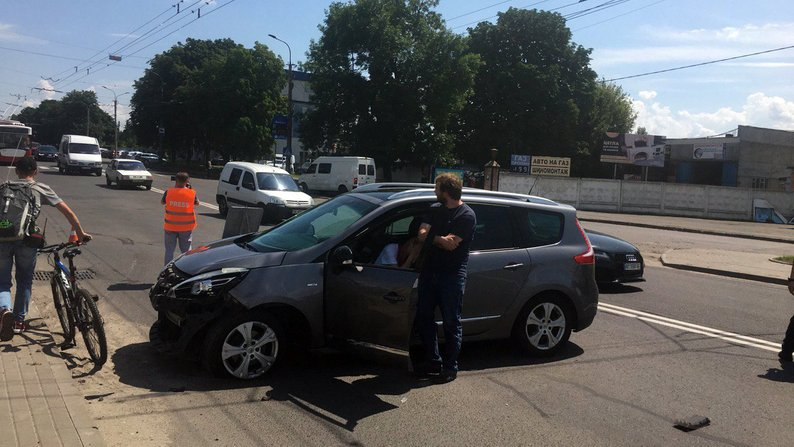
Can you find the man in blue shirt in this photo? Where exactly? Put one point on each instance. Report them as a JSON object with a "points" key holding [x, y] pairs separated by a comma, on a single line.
{"points": [[447, 231]]}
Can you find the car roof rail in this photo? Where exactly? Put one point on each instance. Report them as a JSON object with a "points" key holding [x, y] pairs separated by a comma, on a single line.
{"points": [[404, 189]]}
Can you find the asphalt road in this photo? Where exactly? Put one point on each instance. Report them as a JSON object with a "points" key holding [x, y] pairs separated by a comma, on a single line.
{"points": [[623, 381]]}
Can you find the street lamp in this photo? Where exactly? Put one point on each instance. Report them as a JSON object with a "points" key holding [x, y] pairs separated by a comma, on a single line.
{"points": [[288, 150], [115, 119]]}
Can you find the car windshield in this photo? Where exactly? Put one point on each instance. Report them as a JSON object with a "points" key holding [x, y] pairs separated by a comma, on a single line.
{"points": [[311, 227], [80, 148], [131, 166], [276, 182], [50, 149]]}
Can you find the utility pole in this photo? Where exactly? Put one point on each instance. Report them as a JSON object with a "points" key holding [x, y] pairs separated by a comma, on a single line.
{"points": [[288, 150], [115, 119]]}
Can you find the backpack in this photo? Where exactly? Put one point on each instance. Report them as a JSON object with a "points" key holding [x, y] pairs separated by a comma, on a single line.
{"points": [[19, 207]]}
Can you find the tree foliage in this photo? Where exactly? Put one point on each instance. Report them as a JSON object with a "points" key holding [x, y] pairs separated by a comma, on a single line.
{"points": [[53, 118], [534, 93], [387, 78], [210, 95]]}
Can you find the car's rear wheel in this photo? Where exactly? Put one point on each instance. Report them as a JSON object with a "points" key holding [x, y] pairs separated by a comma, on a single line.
{"points": [[223, 207], [342, 189], [544, 325], [244, 346], [304, 187]]}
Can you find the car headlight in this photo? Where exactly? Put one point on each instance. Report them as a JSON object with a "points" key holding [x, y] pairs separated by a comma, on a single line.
{"points": [[277, 201], [97, 164], [72, 162], [208, 284]]}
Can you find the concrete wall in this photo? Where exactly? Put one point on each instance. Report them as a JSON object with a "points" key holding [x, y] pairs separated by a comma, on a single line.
{"points": [[672, 199]]}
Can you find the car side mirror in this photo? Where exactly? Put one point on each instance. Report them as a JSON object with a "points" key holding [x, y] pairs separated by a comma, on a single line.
{"points": [[342, 256]]}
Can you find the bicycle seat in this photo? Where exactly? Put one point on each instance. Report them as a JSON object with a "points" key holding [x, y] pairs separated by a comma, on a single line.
{"points": [[72, 252]]}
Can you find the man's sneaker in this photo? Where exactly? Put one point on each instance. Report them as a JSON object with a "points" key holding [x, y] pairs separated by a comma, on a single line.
{"points": [[6, 325], [784, 356], [426, 370], [20, 326], [446, 376]]}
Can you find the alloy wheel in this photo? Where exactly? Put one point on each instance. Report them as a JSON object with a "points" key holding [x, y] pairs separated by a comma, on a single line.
{"points": [[249, 350]]}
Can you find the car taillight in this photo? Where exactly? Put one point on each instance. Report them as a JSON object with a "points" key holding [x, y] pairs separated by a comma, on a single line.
{"points": [[355, 180], [587, 257]]}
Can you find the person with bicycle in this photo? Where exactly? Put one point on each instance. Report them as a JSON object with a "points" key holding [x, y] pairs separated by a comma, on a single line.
{"points": [[24, 257]]}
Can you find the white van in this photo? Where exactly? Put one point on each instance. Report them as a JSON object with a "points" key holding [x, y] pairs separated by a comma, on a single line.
{"points": [[341, 174], [268, 187], [78, 153]]}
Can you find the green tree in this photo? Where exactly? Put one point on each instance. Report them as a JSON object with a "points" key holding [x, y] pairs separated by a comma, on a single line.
{"points": [[210, 95], [533, 94], [387, 78], [73, 114], [611, 112]]}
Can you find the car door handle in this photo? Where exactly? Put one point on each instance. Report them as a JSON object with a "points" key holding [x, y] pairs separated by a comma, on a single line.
{"points": [[513, 266], [238, 188], [393, 297]]}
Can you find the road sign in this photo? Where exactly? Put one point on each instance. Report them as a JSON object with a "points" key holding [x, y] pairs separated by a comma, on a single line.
{"points": [[280, 127]]}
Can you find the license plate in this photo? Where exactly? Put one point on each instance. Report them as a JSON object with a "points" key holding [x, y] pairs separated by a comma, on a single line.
{"points": [[632, 266]]}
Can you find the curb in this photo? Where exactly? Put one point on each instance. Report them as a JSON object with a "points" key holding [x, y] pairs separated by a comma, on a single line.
{"points": [[690, 230], [718, 272]]}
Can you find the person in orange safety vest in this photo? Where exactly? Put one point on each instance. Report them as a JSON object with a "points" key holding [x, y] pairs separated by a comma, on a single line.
{"points": [[180, 216]]}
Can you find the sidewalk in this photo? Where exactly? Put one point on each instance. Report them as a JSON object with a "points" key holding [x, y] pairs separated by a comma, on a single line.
{"points": [[752, 266], [39, 404]]}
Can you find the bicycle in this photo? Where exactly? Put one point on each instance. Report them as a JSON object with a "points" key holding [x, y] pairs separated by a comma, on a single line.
{"points": [[76, 308]]}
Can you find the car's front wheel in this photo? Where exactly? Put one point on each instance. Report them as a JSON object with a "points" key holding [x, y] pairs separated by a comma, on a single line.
{"points": [[223, 208], [107, 180], [544, 325], [244, 346]]}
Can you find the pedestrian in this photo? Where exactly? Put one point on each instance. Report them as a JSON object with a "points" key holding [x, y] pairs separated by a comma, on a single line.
{"points": [[21, 254], [447, 232], [787, 347], [180, 216]]}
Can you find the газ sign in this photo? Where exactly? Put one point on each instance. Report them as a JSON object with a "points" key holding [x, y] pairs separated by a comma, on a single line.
{"points": [[554, 166]]}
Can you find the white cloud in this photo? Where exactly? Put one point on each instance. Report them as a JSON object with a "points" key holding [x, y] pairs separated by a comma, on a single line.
{"points": [[768, 34], [8, 34], [758, 110], [47, 87], [647, 94]]}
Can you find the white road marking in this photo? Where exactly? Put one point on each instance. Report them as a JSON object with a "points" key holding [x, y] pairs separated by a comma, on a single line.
{"points": [[730, 337], [208, 205]]}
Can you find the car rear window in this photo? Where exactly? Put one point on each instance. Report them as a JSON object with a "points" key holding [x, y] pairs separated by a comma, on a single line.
{"points": [[131, 166], [493, 230], [324, 168], [370, 169], [362, 169], [540, 227]]}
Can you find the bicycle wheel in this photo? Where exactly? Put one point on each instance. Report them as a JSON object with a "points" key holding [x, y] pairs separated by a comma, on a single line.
{"points": [[92, 327], [59, 297]]}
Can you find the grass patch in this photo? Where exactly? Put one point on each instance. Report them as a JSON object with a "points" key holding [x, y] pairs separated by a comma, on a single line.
{"points": [[784, 259]]}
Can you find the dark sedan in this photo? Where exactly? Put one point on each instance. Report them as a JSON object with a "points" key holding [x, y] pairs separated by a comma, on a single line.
{"points": [[616, 259], [47, 153]]}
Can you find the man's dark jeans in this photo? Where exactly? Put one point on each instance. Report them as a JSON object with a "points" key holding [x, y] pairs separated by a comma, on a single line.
{"points": [[445, 291], [788, 341]]}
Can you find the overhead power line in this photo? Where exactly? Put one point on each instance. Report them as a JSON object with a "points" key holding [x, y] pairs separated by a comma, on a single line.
{"points": [[481, 9], [700, 64], [619, 15], [523, 7]]}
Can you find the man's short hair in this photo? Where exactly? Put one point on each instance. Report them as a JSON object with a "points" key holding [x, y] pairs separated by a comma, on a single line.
{"points": [[450, 184], [182, 177], [26, 166]]}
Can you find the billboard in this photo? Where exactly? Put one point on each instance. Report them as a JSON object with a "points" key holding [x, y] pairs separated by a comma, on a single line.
{"points": [[519, 163], [458, 172], [552, 166], [708, 152], [633, 149]]}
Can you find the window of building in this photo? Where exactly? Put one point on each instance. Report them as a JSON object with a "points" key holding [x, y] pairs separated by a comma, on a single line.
{"points": [[760, 183]]}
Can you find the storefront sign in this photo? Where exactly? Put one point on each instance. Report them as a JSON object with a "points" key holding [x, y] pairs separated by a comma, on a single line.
{"points": [[551, 166], [708, 152], [519, 163]]}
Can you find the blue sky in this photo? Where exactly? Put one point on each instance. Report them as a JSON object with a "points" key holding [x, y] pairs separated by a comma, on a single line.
{"points": [[631, 37]]}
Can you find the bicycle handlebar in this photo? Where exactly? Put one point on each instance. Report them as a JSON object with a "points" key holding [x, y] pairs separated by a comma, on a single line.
{"points": [[61, 246]]}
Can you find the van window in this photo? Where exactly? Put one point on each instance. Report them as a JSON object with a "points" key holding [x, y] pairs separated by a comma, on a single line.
{"points": [[82, 148], [370, 169], [325, 168], [362, 169], [311, 169], [234, 177], [248, 181]]}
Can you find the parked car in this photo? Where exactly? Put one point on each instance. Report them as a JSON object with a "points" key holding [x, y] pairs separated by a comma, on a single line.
{"points": [[46, 152], [128, 173], [241, 302], [341, 174], [253, 184], [148, 158], [616, 260], [304, 167], [105, 153]]}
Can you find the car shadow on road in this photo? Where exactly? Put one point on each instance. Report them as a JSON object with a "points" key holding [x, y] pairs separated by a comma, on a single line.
{"points": [[123, 286], [617, 289], [484, 355]]}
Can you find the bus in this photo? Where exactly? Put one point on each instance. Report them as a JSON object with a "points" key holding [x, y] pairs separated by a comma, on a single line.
{"points": [[14, 141]]}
